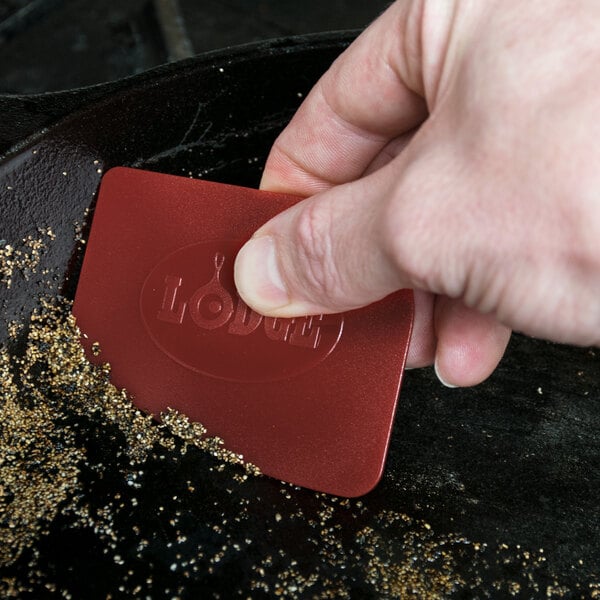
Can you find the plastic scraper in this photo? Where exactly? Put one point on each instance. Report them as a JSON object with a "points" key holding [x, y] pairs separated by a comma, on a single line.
{"points": [[308, 400]]}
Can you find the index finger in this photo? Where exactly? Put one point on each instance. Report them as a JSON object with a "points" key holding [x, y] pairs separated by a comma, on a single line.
{"points": [[370, 95]]}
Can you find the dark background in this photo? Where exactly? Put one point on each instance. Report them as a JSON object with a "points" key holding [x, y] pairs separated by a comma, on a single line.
{"points": [[48, 45]]}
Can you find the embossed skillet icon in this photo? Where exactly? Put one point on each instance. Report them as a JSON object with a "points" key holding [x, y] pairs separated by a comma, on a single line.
{"points": [[211, 306], [310, 401]]}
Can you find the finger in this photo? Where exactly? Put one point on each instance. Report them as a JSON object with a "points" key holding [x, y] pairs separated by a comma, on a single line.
{"points": [[323, 255], [469, 344], [370, 95]]}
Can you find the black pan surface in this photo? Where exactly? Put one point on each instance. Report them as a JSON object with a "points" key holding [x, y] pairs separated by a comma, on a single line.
{"points": [[488, 492]]}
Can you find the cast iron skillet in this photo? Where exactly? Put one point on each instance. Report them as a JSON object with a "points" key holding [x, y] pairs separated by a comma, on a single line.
{"points": [[515, 461]]}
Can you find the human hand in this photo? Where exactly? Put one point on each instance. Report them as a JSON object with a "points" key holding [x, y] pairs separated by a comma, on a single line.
{"points": [[453, 148]]}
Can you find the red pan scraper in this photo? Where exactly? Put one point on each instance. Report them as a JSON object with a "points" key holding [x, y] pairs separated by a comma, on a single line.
{"points": [[309, 400]]}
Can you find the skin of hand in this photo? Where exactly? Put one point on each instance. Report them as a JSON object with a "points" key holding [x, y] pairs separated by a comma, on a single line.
{"points": [[453, 148]]}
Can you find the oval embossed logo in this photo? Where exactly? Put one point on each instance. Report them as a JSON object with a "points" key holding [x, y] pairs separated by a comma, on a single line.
{"points": [[193, 314]]}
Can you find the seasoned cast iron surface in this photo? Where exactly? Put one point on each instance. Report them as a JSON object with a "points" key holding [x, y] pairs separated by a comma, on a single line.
{"points": [[488, 492]]}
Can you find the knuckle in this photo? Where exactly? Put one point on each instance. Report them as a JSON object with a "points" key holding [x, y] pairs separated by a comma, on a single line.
{"points": [[403, 238], [315, 270], [428, 229]]}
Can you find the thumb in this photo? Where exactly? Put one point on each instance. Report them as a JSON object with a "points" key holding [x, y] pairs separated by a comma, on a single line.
{"points": [[323, 255]]}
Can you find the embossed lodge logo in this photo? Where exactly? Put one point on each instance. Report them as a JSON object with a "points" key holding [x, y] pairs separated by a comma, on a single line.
{"points": [[193, 314]]}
